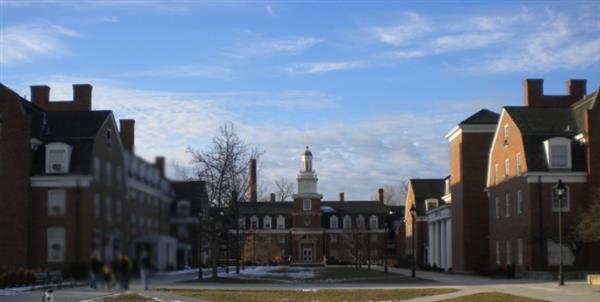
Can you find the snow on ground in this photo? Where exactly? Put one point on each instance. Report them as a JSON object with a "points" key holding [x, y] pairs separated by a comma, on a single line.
{"points": [[274, 272]]}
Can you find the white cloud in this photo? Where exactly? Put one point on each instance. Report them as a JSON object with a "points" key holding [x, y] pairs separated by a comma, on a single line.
{"points": [[321, 67], [412, 26], [270, 11], [189, 70], [262, 46], [24, 43]]}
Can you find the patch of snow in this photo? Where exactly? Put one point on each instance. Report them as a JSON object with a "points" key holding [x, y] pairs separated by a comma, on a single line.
{"points": [[327, 209]]}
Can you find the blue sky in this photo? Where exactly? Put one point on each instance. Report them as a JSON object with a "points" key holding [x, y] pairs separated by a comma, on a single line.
{"points": [[371, 86]]}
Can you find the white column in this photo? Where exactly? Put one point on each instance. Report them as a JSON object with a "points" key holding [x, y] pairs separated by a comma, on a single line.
{"points": [[449, 243], [443, 249], [430, 243], [438, 246]]}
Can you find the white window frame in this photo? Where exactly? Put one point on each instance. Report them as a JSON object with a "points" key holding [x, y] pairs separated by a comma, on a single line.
{"points": [[64, 164], [507, 204], [306, 204], [508, 253], [360, 221], [333, 222], [97, 168], [566, 202], [267, 222], [374, 222], [518, 164], [108, 171], [505, 135], [347, 222], [497, 252], [520, 251], [280, 222], [57, 199], [242, 223], [495, 173], [254, 223], [497, 204], [519, 201], [56, 244], [506, 168], [558, 141]]}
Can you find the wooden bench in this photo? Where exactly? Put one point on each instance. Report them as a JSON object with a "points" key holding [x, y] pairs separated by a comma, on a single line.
{"points": [[40, 278], [593, 279], [55, 277]]}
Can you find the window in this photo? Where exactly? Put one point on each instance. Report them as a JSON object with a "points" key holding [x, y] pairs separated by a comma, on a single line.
{"points": [[558, 152], [566, 200], [518, 164], [108, 137], [118, 176], [182, 231], [505, 134], [96, 205], [374, 222], [520, 251], [333, 238], [495, 173], [431, 203], [56, 244], [108, 208], [242, 223], [306, 204], [506, 168], [119, 210], [254, 222], [57, 158], [497, 252], [280, 222], [56, 202], [183, 208], [507, 200], [497, 199], [267, 222], [347, 222], [97, 168], [519, 202], [333, 222], [360, 221], [508, 261], [108, 173]]}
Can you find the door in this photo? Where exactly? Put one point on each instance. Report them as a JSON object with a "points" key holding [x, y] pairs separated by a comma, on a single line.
{"points": [[307, 254]]}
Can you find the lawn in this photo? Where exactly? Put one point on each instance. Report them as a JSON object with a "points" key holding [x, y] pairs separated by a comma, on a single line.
{"points": [[127, 298], [284, 274], [492, 297], [326, 295]]}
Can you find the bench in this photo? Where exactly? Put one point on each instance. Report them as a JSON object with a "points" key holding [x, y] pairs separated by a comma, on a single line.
{"points": [[40, 278], [55, 277], [593, 279]]}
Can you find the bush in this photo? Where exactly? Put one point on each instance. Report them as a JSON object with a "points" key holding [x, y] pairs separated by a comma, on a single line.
{"points": [[20, 277]]}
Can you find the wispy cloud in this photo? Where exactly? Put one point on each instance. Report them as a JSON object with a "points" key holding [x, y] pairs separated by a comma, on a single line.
{"points": [[189, 70], [270, 11], [23, 43], [412, 26], [322, 67], [262, 46]]}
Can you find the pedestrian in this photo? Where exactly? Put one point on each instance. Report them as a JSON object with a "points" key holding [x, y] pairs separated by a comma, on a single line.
{"points": [[124, 271], [106, 273], [145, 269], [114, 271], [95, 270]]}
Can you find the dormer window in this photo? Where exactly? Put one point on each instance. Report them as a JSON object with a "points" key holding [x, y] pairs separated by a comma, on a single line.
{"points": [[431, 203], [558, 152], [183, 208], [280, 222], [360, 221], [347, 222], [374, 222], [333, 222], [505, 135], [253, 222], [267, 222], [58, 156]]}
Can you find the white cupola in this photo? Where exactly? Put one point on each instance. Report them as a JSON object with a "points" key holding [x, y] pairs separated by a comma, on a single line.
{"points": [[307, 179]]}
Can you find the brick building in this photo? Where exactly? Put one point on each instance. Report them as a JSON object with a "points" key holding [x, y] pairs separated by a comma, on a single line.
{"points": [[309, 230], [551, 138]]}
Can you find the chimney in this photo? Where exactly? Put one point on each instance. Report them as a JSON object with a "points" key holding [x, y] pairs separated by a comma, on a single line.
{"points": [[82, 96], [576, 89], [252, 181], [534, 90], [341, 197], [159, 162], [380, 196], [40, 95], [127, 132], [272, 197]]}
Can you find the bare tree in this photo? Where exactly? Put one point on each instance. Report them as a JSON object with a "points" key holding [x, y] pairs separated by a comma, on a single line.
{"points": [[224, 169], [394, 194], [285, 189], [588, 227]]}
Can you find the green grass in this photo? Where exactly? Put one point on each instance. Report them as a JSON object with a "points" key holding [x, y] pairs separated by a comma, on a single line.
{"points": [[327, 295], [127, 298], [492, 297]]}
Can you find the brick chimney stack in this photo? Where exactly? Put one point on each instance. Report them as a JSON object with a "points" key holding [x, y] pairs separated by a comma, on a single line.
{"points": [[40, 95], [272, 197], [127, 133], [576, 88], [341, 197], [534, 94], [159, 162], [380, 199], [252, 191], [82, 97]]}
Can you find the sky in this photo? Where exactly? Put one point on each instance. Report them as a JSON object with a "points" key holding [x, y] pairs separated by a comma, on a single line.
{"points": [[371, 86]]}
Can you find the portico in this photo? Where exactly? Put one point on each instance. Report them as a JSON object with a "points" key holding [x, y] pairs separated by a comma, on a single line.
{"points": [[440, 237]]}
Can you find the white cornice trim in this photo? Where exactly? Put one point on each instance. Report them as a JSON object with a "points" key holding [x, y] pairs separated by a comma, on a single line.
{"points": [[66, 181], [447, 198], [136, 184], [459, 129], [553, 177], [491, 150]]}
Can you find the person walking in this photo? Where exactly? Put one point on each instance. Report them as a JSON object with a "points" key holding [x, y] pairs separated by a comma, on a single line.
{"points": [[95, 270], [145, 269], [124, 271]]}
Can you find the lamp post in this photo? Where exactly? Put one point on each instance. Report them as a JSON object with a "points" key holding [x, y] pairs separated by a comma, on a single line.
{"points": [[200, 245], [560, 192], [413, 214], [385, 240]]}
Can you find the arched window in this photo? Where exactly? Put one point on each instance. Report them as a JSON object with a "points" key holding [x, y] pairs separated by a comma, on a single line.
{"points": [[360, 221], [333, 222], [280, 222], [242, 223], [254, 222], [267, 222], [58, 157], [374, 222], [347, 222]]}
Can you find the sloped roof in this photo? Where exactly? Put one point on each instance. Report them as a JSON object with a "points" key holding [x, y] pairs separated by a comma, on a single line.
{"points": [[579, 107], [427, 188], [74, 124], [482, 117], [264, 208], [355, 207]]}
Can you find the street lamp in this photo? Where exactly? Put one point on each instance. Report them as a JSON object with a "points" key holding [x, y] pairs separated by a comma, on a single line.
{"points": [[200, 245], [560, 191], [385, 241], [413, 214]]}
